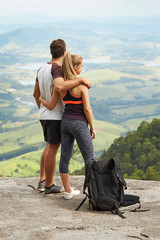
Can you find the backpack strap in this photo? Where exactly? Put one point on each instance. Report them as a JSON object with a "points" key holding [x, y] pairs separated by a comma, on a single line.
{"points": [[88, 175], [80, 205], [118, 171], [135, 210], [140, 210], [119, 213]]}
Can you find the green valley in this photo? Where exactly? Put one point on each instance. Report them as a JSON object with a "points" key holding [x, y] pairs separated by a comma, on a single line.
{"points": [[122, 61]]}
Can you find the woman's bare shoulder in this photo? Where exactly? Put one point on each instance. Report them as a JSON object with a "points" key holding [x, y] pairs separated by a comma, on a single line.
{"points": [[82, 87], [78, 90]]}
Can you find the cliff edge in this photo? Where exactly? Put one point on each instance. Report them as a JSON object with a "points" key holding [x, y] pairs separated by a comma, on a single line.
{"points": [[26, 214]]}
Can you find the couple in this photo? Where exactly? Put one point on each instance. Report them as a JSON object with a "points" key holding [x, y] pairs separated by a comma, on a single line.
{"points": [[54, 84]]}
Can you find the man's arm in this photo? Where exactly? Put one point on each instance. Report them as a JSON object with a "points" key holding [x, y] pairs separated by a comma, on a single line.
{"points": [[62, 85], [36, 93]]}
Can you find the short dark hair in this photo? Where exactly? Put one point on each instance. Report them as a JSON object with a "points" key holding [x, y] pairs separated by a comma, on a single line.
{"points": [[57, 48]]}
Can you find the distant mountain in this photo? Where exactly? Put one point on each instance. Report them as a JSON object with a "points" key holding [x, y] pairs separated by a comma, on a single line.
{"points": [[11, 59], [27, 36], [40, 38], [103, 38]]}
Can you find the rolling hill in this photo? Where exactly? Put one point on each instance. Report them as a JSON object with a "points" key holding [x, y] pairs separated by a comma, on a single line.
{"points": [[121, 59]]}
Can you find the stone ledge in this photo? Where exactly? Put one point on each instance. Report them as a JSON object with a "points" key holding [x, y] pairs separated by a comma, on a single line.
{"points": [[27, 214]]}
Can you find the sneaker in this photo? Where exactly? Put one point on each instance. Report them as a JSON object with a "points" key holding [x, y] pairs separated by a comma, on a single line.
{"points": [[53, 189], [41, 185], [71, 194]]}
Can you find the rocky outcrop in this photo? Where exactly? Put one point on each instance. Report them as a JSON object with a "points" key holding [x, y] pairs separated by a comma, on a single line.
{"points": [[27, 214]]}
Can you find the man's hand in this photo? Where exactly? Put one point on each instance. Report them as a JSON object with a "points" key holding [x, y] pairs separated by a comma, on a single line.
{"points": [[86, 82]]}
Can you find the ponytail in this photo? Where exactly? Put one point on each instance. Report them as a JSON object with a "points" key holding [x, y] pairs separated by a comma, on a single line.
{"points": [[67, 67]]}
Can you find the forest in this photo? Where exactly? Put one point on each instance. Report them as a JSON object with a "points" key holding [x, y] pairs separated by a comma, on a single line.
{"points": [[138, 151]]}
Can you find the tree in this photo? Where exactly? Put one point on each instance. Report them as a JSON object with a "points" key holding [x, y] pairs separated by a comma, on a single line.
{"points": [[150, 173], [138, 151]]}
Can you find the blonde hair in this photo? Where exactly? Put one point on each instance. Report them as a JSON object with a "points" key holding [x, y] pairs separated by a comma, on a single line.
{"points": [[68, 63]]}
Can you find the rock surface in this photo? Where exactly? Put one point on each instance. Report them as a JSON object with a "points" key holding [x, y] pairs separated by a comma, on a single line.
{"points": [[26, 214]]}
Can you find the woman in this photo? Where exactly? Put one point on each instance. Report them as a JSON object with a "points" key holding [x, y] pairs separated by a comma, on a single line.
{"points": [[74, 125]]}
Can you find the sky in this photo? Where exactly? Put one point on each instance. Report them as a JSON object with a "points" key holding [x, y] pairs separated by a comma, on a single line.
{"points": [[81, 8]]}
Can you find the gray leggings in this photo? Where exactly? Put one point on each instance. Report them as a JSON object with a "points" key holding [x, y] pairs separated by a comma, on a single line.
{"points": [[74, 129]]}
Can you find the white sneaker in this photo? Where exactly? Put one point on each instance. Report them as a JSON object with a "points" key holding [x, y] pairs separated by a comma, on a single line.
{"points": [[71, 194], [62, 189]]}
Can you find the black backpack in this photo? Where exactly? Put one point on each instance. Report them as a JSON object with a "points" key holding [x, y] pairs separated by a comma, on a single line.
{"points": [[105, 184]]}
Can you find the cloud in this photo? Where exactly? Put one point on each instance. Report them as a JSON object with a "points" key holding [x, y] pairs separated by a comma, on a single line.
{"points": [[82, 7]]}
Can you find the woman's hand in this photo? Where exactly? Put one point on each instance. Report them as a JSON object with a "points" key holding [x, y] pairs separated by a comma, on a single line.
{"points": [[93, 133], [40, 99]]}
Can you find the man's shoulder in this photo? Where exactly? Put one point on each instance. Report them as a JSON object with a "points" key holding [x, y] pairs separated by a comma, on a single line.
{"points": [[44, 66], [56, 71], [55, 66], [44, 72]]}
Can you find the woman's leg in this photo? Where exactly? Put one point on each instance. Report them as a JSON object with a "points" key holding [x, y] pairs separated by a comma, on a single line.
{"points": [[67, 142], [65, 181], [84, 140]]}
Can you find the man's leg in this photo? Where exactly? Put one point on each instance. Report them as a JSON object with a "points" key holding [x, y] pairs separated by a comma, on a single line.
{"points": [[50, 163], [42, 168], [42, 181], [41, 184]]}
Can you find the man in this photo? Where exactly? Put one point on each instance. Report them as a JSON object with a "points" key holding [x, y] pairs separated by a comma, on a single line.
{"points": [[50, 76]]}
